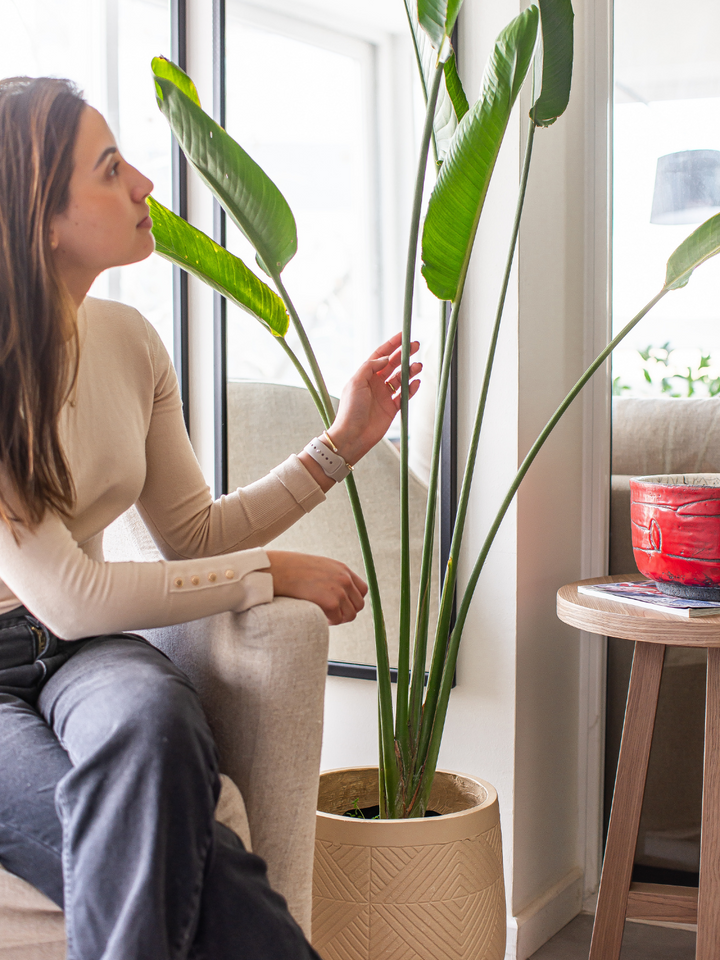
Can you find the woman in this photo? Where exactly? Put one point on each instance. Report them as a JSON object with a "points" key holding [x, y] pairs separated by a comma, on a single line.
{"points": [[108, 772]]}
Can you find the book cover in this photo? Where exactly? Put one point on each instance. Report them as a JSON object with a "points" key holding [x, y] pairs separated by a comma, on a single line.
{"points": [[644, 593]]}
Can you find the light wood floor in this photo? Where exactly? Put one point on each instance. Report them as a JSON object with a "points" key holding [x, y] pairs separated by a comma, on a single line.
{"points": [[641, 942]]}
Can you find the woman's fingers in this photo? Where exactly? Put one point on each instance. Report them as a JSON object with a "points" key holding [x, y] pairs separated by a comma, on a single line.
{"points": [[392, 349], [395, 379], [413, 389]]}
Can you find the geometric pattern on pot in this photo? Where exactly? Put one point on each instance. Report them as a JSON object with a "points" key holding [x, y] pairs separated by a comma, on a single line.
{"points": [[441, 901], [469, 928]]}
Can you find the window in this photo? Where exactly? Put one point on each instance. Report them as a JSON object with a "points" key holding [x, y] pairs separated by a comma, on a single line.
{"points": [[332, 111], [105, 47], [667, 104]]}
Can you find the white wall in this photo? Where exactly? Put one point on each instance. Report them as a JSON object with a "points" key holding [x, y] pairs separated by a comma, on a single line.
{"points": [[519, 715]]}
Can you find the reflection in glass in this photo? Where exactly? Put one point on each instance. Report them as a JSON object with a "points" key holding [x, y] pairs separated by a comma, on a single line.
{"points": [[667, 102], [666, 118], [105, 47]]}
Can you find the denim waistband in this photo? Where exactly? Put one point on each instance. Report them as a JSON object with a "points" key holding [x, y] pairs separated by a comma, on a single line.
{"points": [[29, 654]]}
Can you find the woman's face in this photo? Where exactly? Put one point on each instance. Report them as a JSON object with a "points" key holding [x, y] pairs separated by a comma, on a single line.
{"points": [[106, 223]]}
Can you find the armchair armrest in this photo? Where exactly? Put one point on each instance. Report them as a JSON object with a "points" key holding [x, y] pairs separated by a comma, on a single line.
{"points": [[261, 677]]}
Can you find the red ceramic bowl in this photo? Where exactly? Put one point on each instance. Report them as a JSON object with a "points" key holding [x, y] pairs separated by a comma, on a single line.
{"points": [[676, 532]]}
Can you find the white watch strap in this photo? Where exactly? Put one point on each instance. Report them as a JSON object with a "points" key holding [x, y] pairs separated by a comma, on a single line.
{"points": [[332, 464]]}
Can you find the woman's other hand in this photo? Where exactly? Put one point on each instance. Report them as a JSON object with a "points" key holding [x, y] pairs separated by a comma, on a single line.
{"points": [[329, 583], [371, 399]]}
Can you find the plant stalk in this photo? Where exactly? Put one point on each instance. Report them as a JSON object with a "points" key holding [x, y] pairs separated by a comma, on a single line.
{"points": [[307, 347], [448, 590], [321, 397], [418, 673], [388, 765], [403, 681], [455, 636], [418, 60]]}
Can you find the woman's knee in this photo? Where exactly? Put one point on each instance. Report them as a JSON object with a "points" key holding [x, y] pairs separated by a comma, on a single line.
{"points": [[126, 692]]}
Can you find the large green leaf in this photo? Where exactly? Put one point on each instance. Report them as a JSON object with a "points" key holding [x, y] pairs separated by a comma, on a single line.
{"points": [[449, 109], [437, 18], [556, 18], [194, 251], [457, 200], [702, 244], [248, 195], [162, 67]]}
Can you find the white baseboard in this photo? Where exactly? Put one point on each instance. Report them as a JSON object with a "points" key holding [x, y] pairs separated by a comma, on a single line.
{"points": [[542, 919]]}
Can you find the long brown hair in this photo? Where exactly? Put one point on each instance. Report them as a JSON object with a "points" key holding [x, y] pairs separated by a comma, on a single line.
{"points": [[38, 324]]}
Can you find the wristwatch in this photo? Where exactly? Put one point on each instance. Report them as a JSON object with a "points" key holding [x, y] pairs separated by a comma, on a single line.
{"points": [[333, 465]]}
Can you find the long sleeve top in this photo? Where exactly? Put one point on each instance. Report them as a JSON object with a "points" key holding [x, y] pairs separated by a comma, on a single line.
{"points": [[125, 441]]}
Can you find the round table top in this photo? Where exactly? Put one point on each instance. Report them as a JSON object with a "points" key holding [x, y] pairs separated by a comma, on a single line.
{"points": [[612, 619]]}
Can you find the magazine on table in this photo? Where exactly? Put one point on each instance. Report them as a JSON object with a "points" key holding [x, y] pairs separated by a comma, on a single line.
{"points": [[644, 593]]}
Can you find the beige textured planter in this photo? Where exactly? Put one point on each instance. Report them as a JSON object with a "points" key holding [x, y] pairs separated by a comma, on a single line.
{"points": [[429, 889]]}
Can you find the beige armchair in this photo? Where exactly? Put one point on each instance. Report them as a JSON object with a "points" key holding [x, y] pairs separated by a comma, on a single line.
{"points": [[261, 677]]}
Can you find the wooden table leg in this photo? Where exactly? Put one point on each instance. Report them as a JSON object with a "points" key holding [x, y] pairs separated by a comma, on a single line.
{"points": [[627, 800], [708, 941]]}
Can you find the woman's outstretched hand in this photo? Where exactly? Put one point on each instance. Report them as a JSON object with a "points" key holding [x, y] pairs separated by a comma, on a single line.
{"points": [[368, 405], [329, 583], [371, 399]]}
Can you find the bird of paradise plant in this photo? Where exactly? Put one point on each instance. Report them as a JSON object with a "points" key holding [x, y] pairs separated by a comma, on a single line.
{"points": [[465, 141]]}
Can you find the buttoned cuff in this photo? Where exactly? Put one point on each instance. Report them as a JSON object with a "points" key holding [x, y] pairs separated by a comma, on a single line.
{"points": [[213, 573]]}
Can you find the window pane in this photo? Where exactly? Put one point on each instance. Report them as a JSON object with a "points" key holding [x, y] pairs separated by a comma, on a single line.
{"points": [[335, 120], [667, 104], [315, 140], [105, 46]]}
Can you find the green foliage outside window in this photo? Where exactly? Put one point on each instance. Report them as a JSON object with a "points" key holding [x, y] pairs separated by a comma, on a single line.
{"points": [[670, 376]]}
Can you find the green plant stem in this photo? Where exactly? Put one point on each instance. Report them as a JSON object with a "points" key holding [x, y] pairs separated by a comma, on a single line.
{"points": [[389, 796], [455, 636], [447, 354], [418, 60], [418, 672], [403, 681], [422, 621], [442, 328], [307, 347], [321, 397], [448, 590]]}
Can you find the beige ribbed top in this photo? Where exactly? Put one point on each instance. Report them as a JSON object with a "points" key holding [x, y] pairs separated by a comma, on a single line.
{"points": [[126, 443]]}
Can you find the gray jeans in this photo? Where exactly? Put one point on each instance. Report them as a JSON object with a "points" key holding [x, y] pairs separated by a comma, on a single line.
{"points": [[108, 786]]}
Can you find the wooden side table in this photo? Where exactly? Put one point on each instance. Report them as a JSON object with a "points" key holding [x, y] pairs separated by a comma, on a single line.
{"points": [[618, 898]]}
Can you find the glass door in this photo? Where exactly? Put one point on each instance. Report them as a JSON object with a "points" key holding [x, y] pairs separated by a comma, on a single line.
{"points": [[105, 47], [666, 376]]}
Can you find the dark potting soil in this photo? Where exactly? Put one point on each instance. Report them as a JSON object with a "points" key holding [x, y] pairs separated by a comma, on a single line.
{"points": [[373, 813]]}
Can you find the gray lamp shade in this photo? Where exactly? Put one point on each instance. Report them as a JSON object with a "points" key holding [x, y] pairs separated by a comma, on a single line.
{"points": [[687, 187]]}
